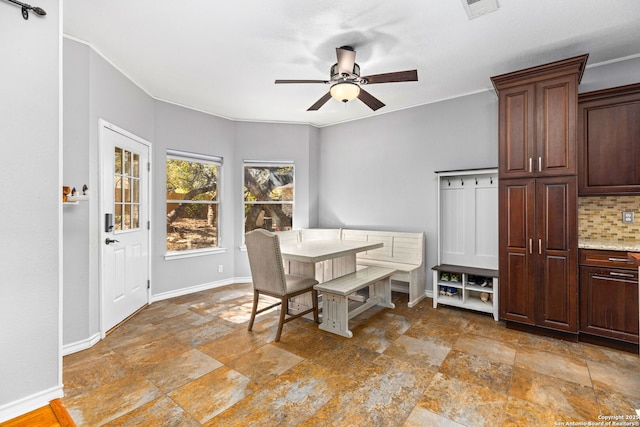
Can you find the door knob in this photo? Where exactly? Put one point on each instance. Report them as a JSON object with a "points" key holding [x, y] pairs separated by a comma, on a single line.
{"points": [[108, 240]]}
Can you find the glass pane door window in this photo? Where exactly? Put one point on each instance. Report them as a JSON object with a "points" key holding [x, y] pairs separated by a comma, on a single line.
{"points": [[126, 195]]}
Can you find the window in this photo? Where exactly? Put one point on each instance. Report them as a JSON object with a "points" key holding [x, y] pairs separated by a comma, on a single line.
{"points": [[268, 196], [126, 190], [193, 201]]}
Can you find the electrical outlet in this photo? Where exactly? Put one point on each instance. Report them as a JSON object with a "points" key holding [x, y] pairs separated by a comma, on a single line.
{"points": [[220, 268], [627, 217]]}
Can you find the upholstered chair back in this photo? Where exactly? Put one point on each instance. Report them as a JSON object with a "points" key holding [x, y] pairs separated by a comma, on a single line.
{"points": [[265, 261]]}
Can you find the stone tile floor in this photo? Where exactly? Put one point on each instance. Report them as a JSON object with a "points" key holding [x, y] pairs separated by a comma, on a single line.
{"points": [[190, 361]]}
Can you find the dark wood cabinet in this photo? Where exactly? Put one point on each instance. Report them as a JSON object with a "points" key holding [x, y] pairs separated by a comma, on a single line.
{"points": [[516, 223], [609, 141], [516, 125], [537, 119], [608, 296], [538, 195], [538, 252]]}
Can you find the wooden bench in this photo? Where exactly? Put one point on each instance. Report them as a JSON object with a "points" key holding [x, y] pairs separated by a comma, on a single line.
{"points": [[402, 251], [335, 297]]}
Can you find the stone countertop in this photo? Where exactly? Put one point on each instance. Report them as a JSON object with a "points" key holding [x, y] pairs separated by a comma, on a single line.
{"points": [[609, 245]]}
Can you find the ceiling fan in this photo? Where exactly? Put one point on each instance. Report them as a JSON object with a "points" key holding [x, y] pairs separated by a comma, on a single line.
{"points": [[346, 83]]}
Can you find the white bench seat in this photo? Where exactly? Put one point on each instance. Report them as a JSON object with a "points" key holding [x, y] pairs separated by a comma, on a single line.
{"points": [[402, 251], [335, 297]]}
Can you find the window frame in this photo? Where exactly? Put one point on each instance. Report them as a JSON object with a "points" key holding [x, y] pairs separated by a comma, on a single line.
{"points": [[196, 158], [267, 163]]}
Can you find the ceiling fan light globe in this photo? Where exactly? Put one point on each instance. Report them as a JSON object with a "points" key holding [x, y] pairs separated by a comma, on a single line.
{"points": [[345, 92]]}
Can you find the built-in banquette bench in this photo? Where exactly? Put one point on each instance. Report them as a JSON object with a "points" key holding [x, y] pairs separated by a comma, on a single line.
{"points": [[402, 251]]}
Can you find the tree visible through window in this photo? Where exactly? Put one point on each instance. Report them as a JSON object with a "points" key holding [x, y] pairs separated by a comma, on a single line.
{"points": [[268, 196], [193, 183]]}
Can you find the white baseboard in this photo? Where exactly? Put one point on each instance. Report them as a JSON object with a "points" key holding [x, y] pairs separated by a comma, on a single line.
{"points": [[29, 403], [198, 288], [74, 347]]}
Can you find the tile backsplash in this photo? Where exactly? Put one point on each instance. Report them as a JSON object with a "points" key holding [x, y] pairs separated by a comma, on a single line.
{"points": [[600, 218]]}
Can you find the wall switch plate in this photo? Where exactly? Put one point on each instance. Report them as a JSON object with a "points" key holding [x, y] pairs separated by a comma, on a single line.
{"points": [[220, 268], [627, 217]]}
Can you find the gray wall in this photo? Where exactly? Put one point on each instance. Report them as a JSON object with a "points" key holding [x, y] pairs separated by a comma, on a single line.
{"points": [[183, 129], [76, 171], [30, 147], [378, 173], [93, 90], [610, 75]]}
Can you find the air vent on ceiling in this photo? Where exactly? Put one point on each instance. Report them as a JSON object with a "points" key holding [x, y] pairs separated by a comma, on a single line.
{"points": [[475, 8]]}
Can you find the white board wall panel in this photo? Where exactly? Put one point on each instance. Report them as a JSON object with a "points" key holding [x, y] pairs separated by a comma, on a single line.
{"points": [[468, 219]]}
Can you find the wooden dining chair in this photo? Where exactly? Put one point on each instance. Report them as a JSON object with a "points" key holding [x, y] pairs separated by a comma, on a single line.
{"points": [[269, 278]]}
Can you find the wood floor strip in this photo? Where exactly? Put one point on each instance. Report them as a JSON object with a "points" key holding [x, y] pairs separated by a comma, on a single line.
{"points": [[53, 415], [61, 413]]}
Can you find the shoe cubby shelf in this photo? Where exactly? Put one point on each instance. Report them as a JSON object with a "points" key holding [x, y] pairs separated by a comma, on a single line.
{"points": [[462, 287]]}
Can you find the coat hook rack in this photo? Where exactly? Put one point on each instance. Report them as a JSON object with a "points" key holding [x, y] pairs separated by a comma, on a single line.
{"points": [[27, 7]]}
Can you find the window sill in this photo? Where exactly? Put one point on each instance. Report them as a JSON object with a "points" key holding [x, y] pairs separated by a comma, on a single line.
{"points": [[194, 253]]}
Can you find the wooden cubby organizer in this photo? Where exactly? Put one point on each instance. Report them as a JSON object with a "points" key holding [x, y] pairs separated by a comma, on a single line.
{"points": [[467, 240], [469, 289]]}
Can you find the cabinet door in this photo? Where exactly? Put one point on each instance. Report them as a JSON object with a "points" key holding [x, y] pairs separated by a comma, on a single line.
{"points": [[609, 303], [556, 109], [557, 253], [516, 199], [517, 131], [609, 141]]}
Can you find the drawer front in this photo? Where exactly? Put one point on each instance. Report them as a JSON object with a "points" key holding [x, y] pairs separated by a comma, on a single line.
{"points": [[609, 259], [609, 303]]}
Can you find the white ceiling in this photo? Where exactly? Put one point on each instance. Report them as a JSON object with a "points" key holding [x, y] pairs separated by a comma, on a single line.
{"points": [[223, 57]]}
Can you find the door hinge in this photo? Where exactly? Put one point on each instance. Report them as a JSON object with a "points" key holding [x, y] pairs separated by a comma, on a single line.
{"points": [[148, 284], [148, 166], [148, 225]]}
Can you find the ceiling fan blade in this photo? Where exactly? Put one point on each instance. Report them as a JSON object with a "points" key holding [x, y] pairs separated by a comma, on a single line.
{"points": [[320, 102], [371, 101], [300, 81], [346, 59], [398, 76]]}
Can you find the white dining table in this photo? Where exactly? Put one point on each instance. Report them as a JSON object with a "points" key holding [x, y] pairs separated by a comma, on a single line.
{"points": [[323, 260]]}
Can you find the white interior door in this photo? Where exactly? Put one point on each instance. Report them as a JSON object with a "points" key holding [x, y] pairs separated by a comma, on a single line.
{"points": [[124, 224]]}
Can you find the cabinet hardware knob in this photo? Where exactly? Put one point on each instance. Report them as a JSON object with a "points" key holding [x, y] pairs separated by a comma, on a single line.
{"points": [[539, 164]]}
